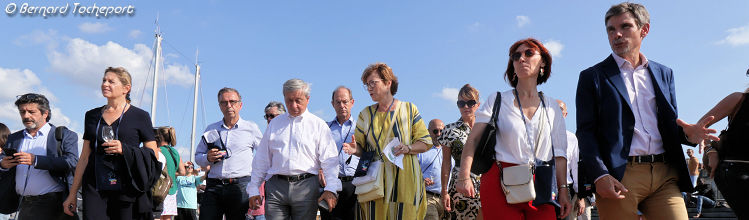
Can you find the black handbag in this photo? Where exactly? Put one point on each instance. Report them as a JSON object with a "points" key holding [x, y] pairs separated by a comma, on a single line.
{"points": [[483, 157], [8, 192]]}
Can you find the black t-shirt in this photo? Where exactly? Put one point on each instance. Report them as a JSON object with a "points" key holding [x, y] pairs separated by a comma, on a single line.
{"points": [[131, 129]]}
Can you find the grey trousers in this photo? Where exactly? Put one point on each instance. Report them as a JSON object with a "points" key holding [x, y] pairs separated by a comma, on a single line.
{"points": [[291, 200]]}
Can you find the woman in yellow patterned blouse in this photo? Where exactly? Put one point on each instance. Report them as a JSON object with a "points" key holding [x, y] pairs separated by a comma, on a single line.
{"points": [[375, 128]]}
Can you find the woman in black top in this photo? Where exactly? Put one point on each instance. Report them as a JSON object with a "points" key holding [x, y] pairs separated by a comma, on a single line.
{"points": [[729, 163], [115, 185]]}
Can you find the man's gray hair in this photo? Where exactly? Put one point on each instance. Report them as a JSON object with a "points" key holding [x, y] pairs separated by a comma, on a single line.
{"points": [[296, 85], [350, 96], [278, 105], [638, 11], [227, 89]]}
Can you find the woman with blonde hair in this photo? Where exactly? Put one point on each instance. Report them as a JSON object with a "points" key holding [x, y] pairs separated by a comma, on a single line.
{"points": [[112, 171], [166, 138]]}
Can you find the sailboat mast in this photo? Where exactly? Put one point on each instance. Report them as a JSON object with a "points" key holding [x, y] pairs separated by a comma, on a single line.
{"points": [[194, 110], [157, 67]]}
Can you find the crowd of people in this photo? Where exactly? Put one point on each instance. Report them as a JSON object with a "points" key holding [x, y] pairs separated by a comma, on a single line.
{"points": [[625, 157]]}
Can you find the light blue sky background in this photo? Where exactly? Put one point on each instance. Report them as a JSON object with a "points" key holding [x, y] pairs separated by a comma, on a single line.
{"points": [[434, 47]]}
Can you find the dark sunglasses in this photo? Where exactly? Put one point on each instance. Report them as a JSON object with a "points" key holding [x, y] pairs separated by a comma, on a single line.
{"points": [[469, 103], [269, 116], [528, 53], [436, 131]]}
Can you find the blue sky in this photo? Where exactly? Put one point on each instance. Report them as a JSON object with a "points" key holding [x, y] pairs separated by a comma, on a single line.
{"points": [[434, 47]]}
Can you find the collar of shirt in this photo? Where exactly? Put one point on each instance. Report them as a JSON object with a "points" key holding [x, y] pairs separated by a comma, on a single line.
{"points": [[240, 122], [349, 121], [623, 63], [41, 133]]}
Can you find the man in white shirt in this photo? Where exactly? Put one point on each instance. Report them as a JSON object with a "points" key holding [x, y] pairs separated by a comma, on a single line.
{"points": [[294, 147], [581, 206], [627, 128]]}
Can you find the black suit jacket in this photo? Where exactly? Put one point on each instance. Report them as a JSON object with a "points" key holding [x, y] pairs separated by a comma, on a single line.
{"points": [[605, 121], [61, 167]]}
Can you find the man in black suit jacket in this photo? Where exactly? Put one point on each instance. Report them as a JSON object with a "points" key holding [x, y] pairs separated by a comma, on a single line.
{"points": [[627, 126], [39, 170]]}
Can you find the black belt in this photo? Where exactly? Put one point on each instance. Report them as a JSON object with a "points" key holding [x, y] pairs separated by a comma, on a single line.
{"points": [[227, 181], [346, 178], [295, 178], [653, 158], [434, 194], [42, 196]]}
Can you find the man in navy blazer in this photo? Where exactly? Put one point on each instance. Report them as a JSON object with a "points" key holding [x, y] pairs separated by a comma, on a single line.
{"points": [[630, 142], [41, 172]]}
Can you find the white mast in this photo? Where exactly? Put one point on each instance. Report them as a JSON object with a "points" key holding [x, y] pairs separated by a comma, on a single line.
{"points": [[157, 67], [194, 108]]}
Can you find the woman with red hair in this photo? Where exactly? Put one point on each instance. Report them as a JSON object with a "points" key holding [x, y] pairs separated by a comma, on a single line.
{"points": [[530, 133]]}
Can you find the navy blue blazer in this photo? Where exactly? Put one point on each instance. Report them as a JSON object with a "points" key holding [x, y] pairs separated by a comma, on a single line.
{"points": [[59, 166], [605, 121]]}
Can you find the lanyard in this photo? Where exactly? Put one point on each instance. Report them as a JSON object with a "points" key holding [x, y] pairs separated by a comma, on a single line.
{"points": [[345, 137], [117, 132], [382, 130], [527, 135]]}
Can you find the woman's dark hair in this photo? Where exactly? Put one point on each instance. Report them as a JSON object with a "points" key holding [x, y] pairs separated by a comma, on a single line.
{"points": [[537, 46], [4, 132]]}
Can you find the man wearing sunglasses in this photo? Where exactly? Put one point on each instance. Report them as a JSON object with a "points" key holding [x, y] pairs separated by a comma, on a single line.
{"points": [[272, 110], [629, 137], [227, 146], [431, 166], [342, 129]]}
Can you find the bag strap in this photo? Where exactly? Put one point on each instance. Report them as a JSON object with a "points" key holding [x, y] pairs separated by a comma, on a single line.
{"points": [[548, 121], [495, 109], [392, 123], [171, 153]]}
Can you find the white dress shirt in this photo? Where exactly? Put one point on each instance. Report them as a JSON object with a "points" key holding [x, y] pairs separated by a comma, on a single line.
{"points": [[293, 146], [572, 158], [512, 139], [646, 139], [29, 180]]}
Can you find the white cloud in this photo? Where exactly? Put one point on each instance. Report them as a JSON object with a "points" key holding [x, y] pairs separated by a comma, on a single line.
{"points": [[449, 94], [555, 47], [475, 26], [37, 37], [17, 82], [736, 36], [94, 28], [522, 20], [84, 63], [135, 34]]}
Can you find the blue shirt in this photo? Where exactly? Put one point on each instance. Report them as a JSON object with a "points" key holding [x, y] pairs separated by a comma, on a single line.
{"points": [[239, 141], [431, 167], [341, 134], [187, 195], [29, 180]]}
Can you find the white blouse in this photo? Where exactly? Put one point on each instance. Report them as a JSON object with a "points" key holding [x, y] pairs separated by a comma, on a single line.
{"points": [[512, 139]]}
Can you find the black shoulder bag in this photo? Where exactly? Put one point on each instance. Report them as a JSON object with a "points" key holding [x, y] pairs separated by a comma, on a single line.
{"points": [[483, 157]]}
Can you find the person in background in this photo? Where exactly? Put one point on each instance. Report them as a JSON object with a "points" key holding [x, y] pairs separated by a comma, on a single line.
{"points": [[272, 110], [431, 165], [187, 195], [114, 174], [342, 128], [166, 138], [457, 205], [694, 167], [581, 208], [4, 132]]}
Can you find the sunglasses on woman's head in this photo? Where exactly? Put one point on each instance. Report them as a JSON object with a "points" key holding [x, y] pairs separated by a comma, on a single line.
{"points": [[528, 53], [469, 103]]}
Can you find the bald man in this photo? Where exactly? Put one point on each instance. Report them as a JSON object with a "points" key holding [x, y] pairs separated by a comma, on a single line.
{"points": [[431, 165]]}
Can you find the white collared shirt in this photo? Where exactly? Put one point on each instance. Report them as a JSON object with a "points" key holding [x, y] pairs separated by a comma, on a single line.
{"points": [[293, 146], [512, 139], [35, 181], [572, 159], [646, 139]]}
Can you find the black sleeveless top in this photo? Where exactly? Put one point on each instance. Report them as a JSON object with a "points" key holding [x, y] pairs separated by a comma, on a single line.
{"points": [[736, 140]]}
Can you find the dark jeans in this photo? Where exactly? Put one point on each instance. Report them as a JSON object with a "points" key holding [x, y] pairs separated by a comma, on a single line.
{"points": [[346, 207], [230, 200], [47, 206], [105, 205], [186, 214], [732, 180]]}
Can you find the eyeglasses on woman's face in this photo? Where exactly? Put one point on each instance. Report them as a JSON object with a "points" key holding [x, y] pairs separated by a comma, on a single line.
{"points": [[370, 84], [528, 54], [469, 103]]}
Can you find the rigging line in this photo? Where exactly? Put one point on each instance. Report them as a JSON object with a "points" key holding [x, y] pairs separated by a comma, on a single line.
{"points": [[166, 97], [145, 82], [184, 113], [175, 49], [202, 105]]}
